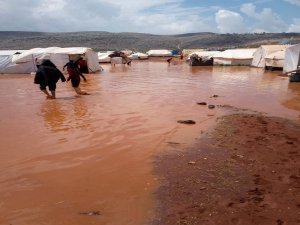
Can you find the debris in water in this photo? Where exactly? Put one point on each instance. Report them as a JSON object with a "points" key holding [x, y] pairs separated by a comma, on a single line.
{"points": [[211, 106], [201, 103], [186, 121], [91, 213]]}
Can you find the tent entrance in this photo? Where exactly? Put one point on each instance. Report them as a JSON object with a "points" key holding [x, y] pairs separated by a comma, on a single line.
{"points": [[81, 61]]}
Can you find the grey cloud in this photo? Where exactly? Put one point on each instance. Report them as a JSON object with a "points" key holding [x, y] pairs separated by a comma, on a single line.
{"points": [[29, 15]]}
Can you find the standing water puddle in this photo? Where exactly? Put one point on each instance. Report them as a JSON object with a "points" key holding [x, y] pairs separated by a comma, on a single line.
{"points": [[87, 160]]}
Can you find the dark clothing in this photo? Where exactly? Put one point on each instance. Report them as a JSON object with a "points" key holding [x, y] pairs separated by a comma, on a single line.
{"points": [[74, 76], [82, 65], [47, 75]]}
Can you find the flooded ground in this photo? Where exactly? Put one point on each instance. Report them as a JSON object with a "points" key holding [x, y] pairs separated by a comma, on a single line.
{"points": [[66, 161]]}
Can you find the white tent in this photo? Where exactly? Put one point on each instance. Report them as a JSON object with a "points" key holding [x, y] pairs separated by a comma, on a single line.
{"points": [[26, 61], [264, 50], [6, 65], [162, 53], [234, 57], [138, 55], [275, 59], [188, 51], [103, 57], [292, 58], [204, 54]]}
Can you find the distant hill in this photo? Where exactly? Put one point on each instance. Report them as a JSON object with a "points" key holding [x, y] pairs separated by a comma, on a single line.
{"points": [[141, 42]]}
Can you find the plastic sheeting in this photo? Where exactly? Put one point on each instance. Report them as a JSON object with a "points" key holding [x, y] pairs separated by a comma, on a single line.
{"points": [[275, 59], [264, 50], [161, 52], [234, 57], [25, 62], [292, 58]]}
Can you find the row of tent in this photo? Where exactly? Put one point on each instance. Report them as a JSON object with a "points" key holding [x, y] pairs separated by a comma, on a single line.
{"points": [[274, 56], [284, 57], [25, 61], [104, 56]]}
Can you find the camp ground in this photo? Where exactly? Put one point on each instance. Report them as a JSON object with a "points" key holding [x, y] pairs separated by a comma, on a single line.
{"points": [[25, 61]]}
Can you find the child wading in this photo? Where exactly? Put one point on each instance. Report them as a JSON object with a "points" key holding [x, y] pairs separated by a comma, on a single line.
{"points": [[74, 76]]}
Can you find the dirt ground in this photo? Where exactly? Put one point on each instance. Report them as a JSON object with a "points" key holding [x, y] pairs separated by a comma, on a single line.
{"points": [[244, 171]]}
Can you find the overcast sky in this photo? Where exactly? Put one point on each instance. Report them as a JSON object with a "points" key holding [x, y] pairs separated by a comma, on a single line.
{"points": [[151, 16]]}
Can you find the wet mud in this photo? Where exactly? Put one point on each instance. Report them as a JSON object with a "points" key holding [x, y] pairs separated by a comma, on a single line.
{"points": [[244, 171]]}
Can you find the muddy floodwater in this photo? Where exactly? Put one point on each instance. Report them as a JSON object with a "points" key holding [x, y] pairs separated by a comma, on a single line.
{"points": [[88, 159]]}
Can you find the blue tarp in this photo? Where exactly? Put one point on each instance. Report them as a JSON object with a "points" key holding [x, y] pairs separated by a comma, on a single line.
{"points": [[175, 52]]}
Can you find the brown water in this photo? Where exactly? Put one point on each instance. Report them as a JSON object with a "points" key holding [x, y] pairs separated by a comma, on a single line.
{"points": [[62, 158]]}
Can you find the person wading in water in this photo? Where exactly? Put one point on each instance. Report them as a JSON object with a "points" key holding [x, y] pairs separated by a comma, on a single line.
{"points": [[74, 76], [48, 75]]}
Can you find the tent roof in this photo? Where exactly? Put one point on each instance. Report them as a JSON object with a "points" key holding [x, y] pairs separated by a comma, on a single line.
{"points": [[246, 53], [292, 47], [276, 55], [139, 54], [10, 52], [69, 51], [205, 53], [274, 47], [159, 52]]}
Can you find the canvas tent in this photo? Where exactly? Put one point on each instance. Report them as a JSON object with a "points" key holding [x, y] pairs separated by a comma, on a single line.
{"points": [[6, 65], [234, 57], [26, 61], [275, 60], [161, 53], [292, 58], [264, 50]]}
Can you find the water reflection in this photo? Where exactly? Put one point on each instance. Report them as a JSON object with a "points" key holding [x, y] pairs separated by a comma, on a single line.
{"points": [[65, 114], [294, 101], [54, 115]]}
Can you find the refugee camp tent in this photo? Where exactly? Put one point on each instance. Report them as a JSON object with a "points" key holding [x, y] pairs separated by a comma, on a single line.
{"points": [[234, 57], [275, 60], [159, 53], [103, 57], [292, 58], [138, 55], [6, 65], [26, 61], [264, 50]]}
